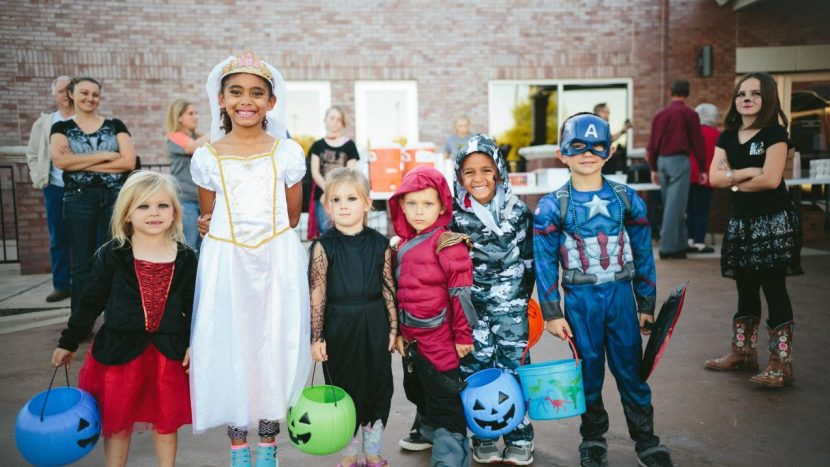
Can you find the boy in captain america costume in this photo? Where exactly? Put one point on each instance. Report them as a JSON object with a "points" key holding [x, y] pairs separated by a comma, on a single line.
{"points": [[597, 231]]}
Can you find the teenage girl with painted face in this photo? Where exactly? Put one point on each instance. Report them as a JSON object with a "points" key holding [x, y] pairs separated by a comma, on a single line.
{"points": [[251, 320], [763, 237], [144, 279], [353, 314]]}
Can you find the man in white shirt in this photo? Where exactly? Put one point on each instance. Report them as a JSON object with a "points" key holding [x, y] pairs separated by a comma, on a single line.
{"points": [[50, 179]]}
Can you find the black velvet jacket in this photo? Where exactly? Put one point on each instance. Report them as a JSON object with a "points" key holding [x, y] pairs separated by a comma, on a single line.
{"points": [[113, 287]]}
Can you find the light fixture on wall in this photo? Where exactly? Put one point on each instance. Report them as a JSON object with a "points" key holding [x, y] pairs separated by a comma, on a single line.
{"points": [[705, 65]]}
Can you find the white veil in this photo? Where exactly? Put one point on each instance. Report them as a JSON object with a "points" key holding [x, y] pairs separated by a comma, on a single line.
{"points": [[275, 117]]}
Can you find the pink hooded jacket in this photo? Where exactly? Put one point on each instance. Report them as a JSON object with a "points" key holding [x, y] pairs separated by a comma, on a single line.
{"points": [[435, 274]]}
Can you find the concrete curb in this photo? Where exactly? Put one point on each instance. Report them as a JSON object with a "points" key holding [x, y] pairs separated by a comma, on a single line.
{"points": [[33, 319]]}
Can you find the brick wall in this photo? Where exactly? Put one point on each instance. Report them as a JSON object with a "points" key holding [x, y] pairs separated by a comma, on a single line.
{"points": [[148, 53]]}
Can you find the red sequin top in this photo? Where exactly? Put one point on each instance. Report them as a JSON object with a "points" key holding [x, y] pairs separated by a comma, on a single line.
{"points": [[154, 283]]}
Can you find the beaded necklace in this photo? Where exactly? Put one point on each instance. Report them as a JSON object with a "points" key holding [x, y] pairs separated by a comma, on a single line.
{"points": [[576, 221]]}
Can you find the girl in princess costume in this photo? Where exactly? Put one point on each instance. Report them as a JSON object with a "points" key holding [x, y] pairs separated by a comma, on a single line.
{"points": [[251, 313]]}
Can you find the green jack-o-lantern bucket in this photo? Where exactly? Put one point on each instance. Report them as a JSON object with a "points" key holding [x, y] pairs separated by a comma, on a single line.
{"points": [[322, 421]]}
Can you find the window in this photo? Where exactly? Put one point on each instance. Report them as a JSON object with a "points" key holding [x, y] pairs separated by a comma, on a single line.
{"points": [[386, 111], [511, 103], [307, 102]]}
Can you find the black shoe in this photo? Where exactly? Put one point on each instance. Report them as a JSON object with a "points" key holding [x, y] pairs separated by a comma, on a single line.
{"points": [[659, 458], [58, 295], [414, 442], [673, 255], [593, 456]]}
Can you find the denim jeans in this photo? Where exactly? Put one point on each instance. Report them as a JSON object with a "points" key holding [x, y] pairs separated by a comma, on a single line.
{"points": [[58, 236], [87, 213], [190, 215], [323, 221], [697, 212]]}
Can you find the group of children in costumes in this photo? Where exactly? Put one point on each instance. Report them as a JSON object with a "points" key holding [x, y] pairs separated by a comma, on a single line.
{"points": [[449, 293]]}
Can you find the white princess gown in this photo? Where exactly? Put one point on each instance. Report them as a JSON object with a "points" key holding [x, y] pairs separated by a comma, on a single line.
{"points": [[249, 345]]}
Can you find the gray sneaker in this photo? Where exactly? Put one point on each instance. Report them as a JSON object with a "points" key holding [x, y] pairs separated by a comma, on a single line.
{"points": [[486, 452], [518, 455]]}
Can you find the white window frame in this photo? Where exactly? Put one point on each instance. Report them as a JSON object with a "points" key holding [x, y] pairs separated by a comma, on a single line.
{"points": [[361, 89], [323, 89]]}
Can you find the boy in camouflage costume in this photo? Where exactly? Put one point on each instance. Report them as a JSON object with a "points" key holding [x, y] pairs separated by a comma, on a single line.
{"points": [[500, 226]]}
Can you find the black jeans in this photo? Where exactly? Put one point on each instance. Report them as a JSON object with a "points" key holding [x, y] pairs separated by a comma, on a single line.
{"points": [[87, 213]]}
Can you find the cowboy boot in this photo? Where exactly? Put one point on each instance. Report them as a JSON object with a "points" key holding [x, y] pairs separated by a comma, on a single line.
{"points": [[744, 355], [779, 370]]}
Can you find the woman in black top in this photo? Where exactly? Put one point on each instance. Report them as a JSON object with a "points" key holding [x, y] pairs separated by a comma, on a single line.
{"points": [[96, 155], [763, 238], [334, 151]]}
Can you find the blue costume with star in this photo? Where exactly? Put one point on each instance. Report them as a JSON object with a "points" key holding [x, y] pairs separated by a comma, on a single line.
{"points": [[607, 272]]}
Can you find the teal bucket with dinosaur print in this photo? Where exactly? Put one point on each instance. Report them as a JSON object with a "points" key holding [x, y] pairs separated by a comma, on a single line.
{"points": [[553, 390]]}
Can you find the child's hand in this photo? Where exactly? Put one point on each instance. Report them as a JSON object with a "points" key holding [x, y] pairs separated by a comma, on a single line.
{"points": [[318, 351], [645, 318], [399, 345], [61, 357], [559, 327], [463, 349], [186, 361], [203, 223]]}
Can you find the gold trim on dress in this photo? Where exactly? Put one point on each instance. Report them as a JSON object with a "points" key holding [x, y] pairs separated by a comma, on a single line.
{"points": [[246, 161]]}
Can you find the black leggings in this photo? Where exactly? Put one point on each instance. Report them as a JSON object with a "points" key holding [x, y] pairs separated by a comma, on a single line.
{"points": [[773, 283]]}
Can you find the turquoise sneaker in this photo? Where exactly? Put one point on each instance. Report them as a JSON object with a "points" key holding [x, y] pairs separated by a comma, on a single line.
{"points": [[241, 457], [266, 456]]}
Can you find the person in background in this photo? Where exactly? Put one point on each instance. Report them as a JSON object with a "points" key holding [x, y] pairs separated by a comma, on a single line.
{"points": [[182, 142], [457, 140], [700, 191], [96, 154], [619, 162], [334, 151], [675, 137], [49, 178]]}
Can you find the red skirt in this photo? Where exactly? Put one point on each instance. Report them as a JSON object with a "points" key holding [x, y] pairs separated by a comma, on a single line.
{"points": [[151, 392]]}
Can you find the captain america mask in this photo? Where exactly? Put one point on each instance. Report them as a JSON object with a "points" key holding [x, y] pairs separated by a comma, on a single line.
{"points": [[585, 133]]}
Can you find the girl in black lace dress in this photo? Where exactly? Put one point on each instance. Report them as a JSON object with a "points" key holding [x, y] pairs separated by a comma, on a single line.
{"points": [[762, 242], [353, 315]]}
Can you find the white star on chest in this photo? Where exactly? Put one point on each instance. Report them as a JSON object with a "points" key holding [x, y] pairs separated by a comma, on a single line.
{"points": [[596, 206]]}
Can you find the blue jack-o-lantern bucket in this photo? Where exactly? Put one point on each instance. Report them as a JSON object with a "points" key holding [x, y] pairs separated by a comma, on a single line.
{"points": [[322, 421], [553, 389], [58, 426], [493, 403]]}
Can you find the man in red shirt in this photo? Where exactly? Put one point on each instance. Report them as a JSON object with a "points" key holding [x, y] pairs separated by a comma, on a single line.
{"points": [[675, 136]]}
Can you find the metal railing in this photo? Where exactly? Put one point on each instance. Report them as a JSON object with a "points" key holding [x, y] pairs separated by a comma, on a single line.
{"points": [[9, 250]]}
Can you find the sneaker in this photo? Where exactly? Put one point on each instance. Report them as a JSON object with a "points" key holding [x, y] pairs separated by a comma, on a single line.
{"points": [[518, 455], [486, 452], [58, 295], [414, 442], [266, 456], [241, 457], [658, 458], [593, 456]]}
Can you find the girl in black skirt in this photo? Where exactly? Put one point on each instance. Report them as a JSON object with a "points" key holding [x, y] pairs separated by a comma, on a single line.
{"points": [[763, 238]]}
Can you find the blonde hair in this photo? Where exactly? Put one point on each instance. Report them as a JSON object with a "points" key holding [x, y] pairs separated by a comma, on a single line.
{"points": [[338, 109], [174, 112], [351, 178], [139, 186]]}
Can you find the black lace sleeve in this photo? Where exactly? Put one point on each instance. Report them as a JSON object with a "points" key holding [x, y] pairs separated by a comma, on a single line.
{"points": [[317, 272], [389, 291]]}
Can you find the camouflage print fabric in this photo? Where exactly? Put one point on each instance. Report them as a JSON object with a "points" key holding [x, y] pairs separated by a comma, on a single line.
{"points": [[503, 277]]}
